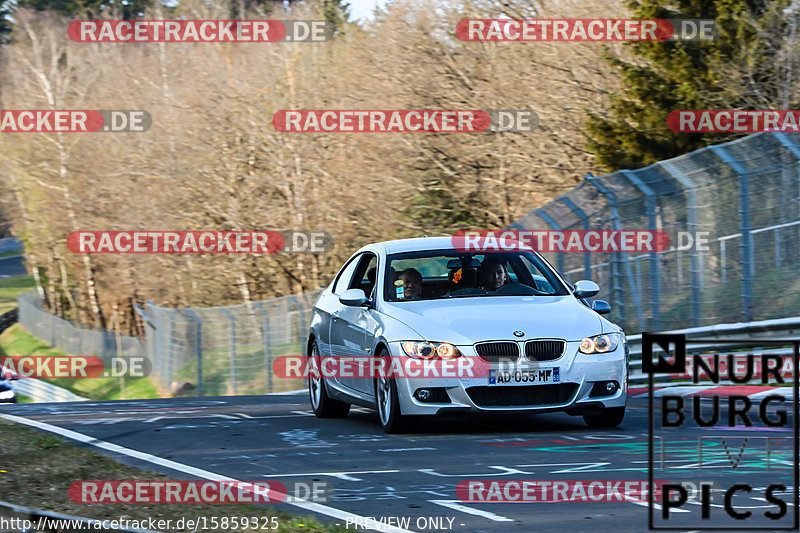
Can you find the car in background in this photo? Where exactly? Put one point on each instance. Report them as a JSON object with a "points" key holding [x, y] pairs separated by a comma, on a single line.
{"points": [[547, 348], [7, 392]]}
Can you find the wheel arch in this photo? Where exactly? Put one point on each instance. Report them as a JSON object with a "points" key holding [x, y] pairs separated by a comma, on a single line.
{"points": [[312, 338]]}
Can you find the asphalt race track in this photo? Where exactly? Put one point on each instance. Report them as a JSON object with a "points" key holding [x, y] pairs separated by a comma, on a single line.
{"points": [[275, 437]]}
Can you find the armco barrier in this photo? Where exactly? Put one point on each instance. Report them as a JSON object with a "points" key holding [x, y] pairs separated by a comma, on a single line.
{"points": [[41, 391], [777, 329]]}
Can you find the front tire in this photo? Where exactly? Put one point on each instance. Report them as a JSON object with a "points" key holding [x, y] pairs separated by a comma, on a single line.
{"points": [[609, 418], [323, 405], [388, 404]]}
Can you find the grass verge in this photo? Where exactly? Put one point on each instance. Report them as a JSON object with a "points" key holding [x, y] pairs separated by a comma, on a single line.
{"points": [[37, 469], [12, 287], [17, 341]]}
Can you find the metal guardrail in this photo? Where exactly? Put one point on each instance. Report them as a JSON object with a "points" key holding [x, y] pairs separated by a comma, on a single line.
{"points": [[41, 391], [775, 329], [16, 518]]}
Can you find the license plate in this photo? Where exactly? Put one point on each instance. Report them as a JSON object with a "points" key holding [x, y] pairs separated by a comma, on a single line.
{"points": [[524, 377]]}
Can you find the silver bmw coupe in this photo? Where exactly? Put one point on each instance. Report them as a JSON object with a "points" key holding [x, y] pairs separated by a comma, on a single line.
{"points": [[460, 330]]}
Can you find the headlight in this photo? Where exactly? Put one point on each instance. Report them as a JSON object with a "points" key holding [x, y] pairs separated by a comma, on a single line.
{"points": [[430, 350], [600, 343], [6, 394]]}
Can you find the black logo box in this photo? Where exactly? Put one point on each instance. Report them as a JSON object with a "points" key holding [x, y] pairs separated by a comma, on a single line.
{"points": [[680, 342]]}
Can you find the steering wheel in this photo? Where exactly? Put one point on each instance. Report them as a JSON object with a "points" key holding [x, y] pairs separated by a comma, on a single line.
{"points": [[518, 289]]}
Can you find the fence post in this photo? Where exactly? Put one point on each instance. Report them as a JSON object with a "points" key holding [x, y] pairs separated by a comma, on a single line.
{"points": [[655, 259], [553, 225], [789, 145], [199, 340], [149, 340], [744, 227], [303, 325], [616, 224], [267, 344], [52, 320], [695, 282], [233, 348], [169, 355], [580, 213], [792, 147]]}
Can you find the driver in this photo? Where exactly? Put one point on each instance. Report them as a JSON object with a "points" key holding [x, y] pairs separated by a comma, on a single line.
{"points": [[493, 274], [412, 284]]}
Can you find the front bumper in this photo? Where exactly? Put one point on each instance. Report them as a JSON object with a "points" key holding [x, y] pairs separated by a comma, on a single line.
{"points": [[573, 393]]}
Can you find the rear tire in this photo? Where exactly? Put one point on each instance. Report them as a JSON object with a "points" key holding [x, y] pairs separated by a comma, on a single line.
{"points": [[323, 405], [609, 418], [388, 404]]}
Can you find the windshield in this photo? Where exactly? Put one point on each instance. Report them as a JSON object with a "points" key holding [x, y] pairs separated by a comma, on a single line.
{"points": [[436, 274]]}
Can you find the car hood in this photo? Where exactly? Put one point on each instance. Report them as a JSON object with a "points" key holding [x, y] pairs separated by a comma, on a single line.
{"points": [[469, 320]]}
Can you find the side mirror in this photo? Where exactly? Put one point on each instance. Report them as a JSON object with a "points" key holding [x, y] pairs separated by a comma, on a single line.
{"points": [[585, 289], [353, 298], [601, 307]]}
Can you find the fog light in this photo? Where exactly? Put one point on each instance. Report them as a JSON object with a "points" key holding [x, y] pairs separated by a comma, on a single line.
{"points": [[423, 395], [604, 388]]}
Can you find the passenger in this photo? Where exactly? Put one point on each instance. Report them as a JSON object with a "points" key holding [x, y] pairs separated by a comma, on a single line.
{"points": [[493, 274], [412, 284]]}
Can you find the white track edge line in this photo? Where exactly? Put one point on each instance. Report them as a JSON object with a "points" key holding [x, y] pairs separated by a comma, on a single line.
{"points": [[180, 467]]}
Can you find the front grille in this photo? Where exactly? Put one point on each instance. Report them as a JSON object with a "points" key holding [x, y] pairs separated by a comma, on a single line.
{"points": [[544, 350], [522, 396], [495, 352]]}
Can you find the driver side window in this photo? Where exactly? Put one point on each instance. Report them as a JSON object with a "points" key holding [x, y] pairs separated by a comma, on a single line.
{"points": [[365, 274], [346, 275]]}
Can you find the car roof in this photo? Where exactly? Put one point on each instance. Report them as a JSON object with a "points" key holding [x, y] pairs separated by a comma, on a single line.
{"points": [[417, 244]]}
